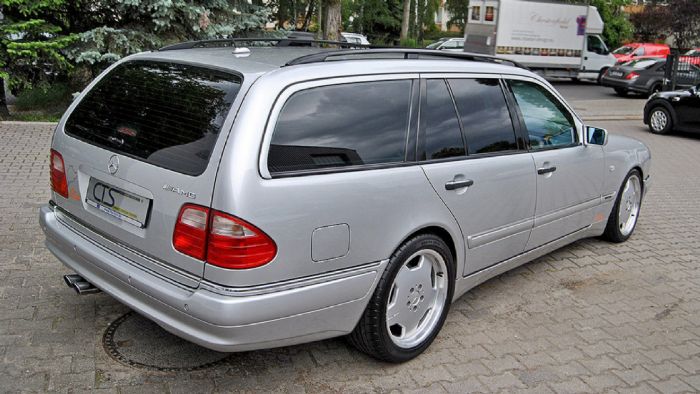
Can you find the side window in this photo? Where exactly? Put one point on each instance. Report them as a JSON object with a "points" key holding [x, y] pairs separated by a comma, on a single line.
{"points": [[440, 133], [342, 125], [639, 52], [548, 123], [595, 45], [450, 44], [484, 113]]}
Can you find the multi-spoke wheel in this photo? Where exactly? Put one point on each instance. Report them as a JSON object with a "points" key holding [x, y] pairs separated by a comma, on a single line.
{"points": [[660, 121], [410, 303], [625, 213]]}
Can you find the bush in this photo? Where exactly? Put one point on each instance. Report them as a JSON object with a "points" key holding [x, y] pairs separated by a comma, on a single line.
{"points": [[54, 97], [437, 34], [410, 43]]}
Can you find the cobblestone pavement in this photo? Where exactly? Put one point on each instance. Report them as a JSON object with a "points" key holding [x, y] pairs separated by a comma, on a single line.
{"points": [[591, 317]]}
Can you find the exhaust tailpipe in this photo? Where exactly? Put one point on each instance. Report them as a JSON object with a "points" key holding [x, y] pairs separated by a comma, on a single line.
{"points": [[80, 285], [70, 279]]}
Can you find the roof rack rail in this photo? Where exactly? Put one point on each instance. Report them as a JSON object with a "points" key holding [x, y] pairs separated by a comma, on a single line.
{"points": [[408, 53], [281, 42]]}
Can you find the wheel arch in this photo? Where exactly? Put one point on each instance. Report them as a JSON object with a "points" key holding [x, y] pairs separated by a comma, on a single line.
{"points": [[659, 103], [441, 232]]}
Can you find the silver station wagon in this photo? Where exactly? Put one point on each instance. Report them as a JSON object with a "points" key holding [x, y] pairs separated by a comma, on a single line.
{"points": [[248, 198]]}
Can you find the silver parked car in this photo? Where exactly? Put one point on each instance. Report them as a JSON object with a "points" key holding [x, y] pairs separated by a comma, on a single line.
{"points": [[253, 198]]}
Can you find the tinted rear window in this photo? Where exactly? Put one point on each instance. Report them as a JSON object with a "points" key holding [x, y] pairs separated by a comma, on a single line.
{"points": [[342, 125], [166, 114]]}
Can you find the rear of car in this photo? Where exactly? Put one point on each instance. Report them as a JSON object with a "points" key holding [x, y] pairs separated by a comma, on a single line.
{"points": [[133, 170], [643, 75]]}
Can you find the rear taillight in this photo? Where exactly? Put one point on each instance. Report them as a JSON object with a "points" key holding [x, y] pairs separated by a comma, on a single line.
{"points": [[59, 182], [190, 235], [632, 75], [221, 239]]}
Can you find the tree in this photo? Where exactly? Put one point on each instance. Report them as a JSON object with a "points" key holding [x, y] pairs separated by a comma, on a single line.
{"points": [[685, 22], [132, 26], [375, 18], [618, 28], [459, 11], [405, 19], [30, 46], [332, 20], [652, 23]]}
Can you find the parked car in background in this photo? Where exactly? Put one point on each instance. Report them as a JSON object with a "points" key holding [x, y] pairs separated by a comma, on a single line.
{"points": [[355, 38], [646, 76], [296, 194], [449, 44], [640, 49], [692, 56], [675, 110]]}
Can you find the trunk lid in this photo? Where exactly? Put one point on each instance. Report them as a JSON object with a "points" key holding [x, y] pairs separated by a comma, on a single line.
{"points": [[142, 142]]}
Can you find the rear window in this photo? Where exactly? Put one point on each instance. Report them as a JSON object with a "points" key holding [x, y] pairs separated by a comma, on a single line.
{"points": [[165, 114], [643, 64], [626, 50]]}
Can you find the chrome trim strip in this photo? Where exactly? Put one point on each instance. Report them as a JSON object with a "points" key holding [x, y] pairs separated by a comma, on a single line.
{"points": [[564, 212], [377, 266], [486, 237]]}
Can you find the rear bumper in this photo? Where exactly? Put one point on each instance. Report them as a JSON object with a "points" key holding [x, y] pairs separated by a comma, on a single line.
{"points": [[223, 319], [622, 84]]}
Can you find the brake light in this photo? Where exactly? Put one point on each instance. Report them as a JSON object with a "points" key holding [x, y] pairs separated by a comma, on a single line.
{"points": [[190, 235], [221, 239], [236, 244], [632, 75], [59, 182]]}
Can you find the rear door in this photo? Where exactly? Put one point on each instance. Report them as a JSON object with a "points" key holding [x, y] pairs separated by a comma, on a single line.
{"points": [[569, 174], [142, 142], [483, 174]]}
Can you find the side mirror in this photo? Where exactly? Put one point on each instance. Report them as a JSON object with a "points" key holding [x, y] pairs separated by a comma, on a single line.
{"points": [[596, 136]]}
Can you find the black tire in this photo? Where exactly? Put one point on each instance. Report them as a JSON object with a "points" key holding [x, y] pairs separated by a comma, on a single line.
{"points": [[600, 75], [612, 229], [621, 92], [664, 113], [371, 335]]}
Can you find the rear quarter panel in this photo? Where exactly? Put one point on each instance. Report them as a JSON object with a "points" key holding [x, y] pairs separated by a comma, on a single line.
{"points": [[381, 207]]}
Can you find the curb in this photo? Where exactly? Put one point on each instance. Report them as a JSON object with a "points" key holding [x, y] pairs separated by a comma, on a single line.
{"points": [[612, 117], [20, 122]]}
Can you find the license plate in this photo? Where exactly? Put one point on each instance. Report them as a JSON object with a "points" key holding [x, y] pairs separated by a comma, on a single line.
{"points": [[118, 203], [616, 73]]}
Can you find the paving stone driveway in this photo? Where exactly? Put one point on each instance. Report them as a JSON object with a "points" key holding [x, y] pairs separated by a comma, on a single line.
{"points": [[591, 317]]}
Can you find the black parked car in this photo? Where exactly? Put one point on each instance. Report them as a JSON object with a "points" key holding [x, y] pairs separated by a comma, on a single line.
{"points": [[645, 76], [675, 110]]}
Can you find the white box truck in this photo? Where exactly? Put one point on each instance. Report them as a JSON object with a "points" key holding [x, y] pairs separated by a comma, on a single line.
{"points": [[553, 39]]}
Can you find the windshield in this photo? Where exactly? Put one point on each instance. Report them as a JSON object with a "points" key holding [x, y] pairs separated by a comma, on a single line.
{"points": [[693, 52], [642, 64], [625, 50], [434, 45]]}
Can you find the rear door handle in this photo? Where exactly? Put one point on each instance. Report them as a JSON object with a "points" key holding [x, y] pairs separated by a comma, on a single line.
{"points": [[546, 170], [452, 185]]}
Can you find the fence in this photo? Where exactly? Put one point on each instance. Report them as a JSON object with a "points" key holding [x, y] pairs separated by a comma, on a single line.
{"points": [[681, 71]]}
